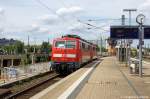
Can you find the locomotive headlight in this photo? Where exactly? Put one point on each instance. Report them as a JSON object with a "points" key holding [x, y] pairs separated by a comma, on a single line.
{"points": [[57, 55], [67, 55], [71, 55]]}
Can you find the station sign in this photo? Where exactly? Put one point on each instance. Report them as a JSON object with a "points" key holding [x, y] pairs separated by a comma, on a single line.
{"points": [[128, 32]]}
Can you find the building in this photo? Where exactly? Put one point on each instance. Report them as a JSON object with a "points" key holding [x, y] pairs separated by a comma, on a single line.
{"points": [[4, 41]]}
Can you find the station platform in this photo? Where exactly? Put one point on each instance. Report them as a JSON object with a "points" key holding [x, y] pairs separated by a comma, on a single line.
{"points": [[112, 80], [105, 80]]}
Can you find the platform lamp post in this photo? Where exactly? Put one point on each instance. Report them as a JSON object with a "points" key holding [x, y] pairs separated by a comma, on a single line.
{"points": [[129, 41], [140, 20]]}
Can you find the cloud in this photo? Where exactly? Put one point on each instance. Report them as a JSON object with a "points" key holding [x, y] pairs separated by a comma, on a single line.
{"points": [[34, 28], [1, 29], [144, 8], [145, 5], [43, 30], [2, 11], [107, 28], [49, 19], [77, 27], [82, 30], [62, 17], [69, 11], [2, 15]]}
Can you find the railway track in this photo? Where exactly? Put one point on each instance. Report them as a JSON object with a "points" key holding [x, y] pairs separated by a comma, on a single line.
{"points": [[33, 89]]}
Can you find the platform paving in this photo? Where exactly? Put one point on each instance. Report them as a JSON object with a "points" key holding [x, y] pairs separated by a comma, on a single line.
{"points": [[111, 80], [54, 91]]}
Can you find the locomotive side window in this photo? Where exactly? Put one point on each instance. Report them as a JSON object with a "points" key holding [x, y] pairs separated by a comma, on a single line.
{"points": [[83, 46], [89, 47], [93, 48], [80, 45], [60, 44], [70, 44]]}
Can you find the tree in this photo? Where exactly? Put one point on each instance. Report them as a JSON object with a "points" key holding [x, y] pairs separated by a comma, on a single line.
{"points": [[46, 47], [134, 52], [103, 49], [19, 47], [9, 49], [112, 42]]}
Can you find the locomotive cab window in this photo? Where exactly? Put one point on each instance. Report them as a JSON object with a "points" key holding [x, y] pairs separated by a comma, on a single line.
{"points": [[70, 44], [60, 44], [65, 44]]}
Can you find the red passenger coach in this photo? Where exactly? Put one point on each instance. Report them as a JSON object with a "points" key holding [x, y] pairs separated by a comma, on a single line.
{"points": [[70, 52]]}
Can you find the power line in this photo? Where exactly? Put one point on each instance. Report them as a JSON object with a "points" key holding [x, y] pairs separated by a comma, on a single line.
{"points": [[96, 27], [66, 6], [51, 10], [78, 20], [44, 5], [105, 19]]}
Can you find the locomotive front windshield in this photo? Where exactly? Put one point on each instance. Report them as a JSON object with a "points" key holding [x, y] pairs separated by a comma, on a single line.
{"points": [[60, 44], [65, 44]]}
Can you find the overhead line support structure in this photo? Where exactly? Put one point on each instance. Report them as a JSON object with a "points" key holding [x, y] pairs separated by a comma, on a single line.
{"points": [[128, 47]]}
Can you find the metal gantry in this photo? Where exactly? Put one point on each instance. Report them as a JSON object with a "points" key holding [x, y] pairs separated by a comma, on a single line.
{"points": [[128, 51]]}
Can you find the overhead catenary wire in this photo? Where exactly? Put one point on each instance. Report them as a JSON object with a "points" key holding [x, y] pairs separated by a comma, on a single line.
{"points": [[66, 6], [44, 5], [51, 10], [115, 19], [96, 27], [88, 24], [78, 20]]}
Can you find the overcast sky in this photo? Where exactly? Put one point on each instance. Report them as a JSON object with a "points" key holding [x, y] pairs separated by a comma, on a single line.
{"points": [[43, 19]]}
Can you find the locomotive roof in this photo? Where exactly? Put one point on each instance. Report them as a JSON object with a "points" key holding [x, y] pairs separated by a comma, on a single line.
{"points": [[76, 37]]}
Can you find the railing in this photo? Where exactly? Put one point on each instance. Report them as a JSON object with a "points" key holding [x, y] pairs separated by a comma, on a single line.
{"points": [[145, 62]]}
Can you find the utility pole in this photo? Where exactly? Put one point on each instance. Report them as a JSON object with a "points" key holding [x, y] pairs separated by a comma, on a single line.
{"points": [[141, 29], [128, 49], [34, 44], [130, 10], [28, 41], [48, 41], [148, 49], [122, 44], [123, 20], [101, 42]]}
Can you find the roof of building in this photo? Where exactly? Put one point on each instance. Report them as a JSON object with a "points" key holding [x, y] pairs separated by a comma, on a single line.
{"points": [[4, 41]]}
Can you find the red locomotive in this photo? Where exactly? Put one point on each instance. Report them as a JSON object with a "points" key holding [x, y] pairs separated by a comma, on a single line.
{"points": [[70, 52]]}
